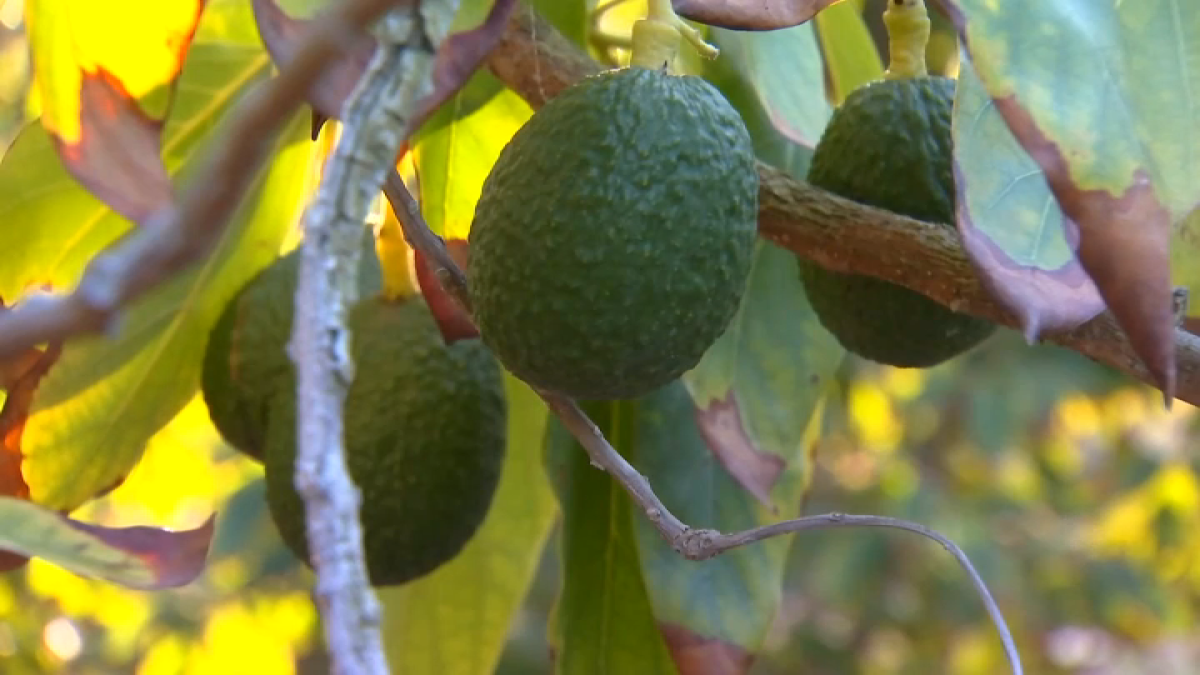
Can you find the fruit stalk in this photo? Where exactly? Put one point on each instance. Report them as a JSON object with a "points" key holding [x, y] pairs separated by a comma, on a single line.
{"points": [[657, 37], [908, 26]]}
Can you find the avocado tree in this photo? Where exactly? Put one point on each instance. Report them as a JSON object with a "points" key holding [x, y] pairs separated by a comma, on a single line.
{"points": [[455, 272]]}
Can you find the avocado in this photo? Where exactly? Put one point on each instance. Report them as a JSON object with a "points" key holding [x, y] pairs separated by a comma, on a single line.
{"points": [[889, 146], [245, 359], [613, 237], [425, 430]]}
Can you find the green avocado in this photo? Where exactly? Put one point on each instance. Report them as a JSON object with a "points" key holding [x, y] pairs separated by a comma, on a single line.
{"points": [[425, 430], [613, 237], [889, 146], [245, 360]]}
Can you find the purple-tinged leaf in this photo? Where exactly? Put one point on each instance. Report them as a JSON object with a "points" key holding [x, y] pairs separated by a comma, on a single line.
{"points": [[720, 422], [281, 35], [757, 15], [136, 557], [1011, 226]]}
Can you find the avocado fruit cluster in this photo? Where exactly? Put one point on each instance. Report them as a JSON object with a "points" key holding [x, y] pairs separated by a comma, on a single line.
{"points": [[889, 145], [613, 237], [425, 421]]}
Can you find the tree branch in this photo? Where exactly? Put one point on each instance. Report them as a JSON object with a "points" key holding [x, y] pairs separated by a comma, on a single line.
{"points": [[182, 233], [537, 62], [693, 544], [375, 118]]}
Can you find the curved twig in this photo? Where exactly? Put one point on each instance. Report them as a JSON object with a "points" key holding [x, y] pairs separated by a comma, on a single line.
{"points": [[691, 543]]}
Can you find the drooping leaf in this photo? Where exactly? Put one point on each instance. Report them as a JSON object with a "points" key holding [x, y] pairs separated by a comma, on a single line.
{"points": [[1102, 97], [136, 557], [783, 70], [95, 408], [457, 147], [459, 57], [456, 620], [713, 614], [105, 73], [328, 93], [477, 27], [851, 57], [755, 15], [730, 456], [1011, 226], [738, 456], [602, 623]]}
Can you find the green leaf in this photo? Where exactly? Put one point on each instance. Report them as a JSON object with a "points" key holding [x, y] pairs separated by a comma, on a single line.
{"points": [[851, 56], [1011, 224], [456, 620], [135, 557], [456, 148], [1104, 97], [714, 614], [105, 396], [731, 456], [783, 70], [602, 624], [570, 17], [93, 62], [735, 456]]}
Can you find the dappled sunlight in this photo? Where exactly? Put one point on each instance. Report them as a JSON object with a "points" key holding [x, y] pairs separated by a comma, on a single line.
{"points": [[228, 620]]}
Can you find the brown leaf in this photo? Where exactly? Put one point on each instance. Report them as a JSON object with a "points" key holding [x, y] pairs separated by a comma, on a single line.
{"points": [[13, 416], [281, 34], [118, 155], [721, 425], [750, 14], [458, 57], [1124, 244], [176, 557], [451, 319], [697, 655], [1042, 300]]}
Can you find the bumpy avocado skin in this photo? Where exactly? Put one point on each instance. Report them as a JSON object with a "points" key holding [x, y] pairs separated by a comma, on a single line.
{"points": [[889, 145], [613, 237], [425, 428], [245, 360]]}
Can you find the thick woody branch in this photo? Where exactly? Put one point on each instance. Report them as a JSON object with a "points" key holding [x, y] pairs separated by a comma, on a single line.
{"points": [[183, 233], [537, 62]]}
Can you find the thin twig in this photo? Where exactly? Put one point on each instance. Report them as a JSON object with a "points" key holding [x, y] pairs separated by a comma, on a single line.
{"points": [[537, 62], [180, 234], [691, 543], [387, 95]]}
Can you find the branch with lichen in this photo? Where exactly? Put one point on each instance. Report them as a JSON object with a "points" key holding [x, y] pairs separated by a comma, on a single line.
{"points": [[397, 81]]}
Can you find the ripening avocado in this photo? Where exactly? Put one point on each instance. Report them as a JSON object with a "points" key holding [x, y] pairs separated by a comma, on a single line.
{"points": [[425, 434], [613, 238], [889, 146], [245, 360]]}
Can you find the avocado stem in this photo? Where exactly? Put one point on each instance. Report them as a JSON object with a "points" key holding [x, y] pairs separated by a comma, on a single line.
{"points": [[908, 27], [656, 38]]}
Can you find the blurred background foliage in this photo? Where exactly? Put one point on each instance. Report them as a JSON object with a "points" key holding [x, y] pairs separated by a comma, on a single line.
{"points": [[1071, 488]]}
